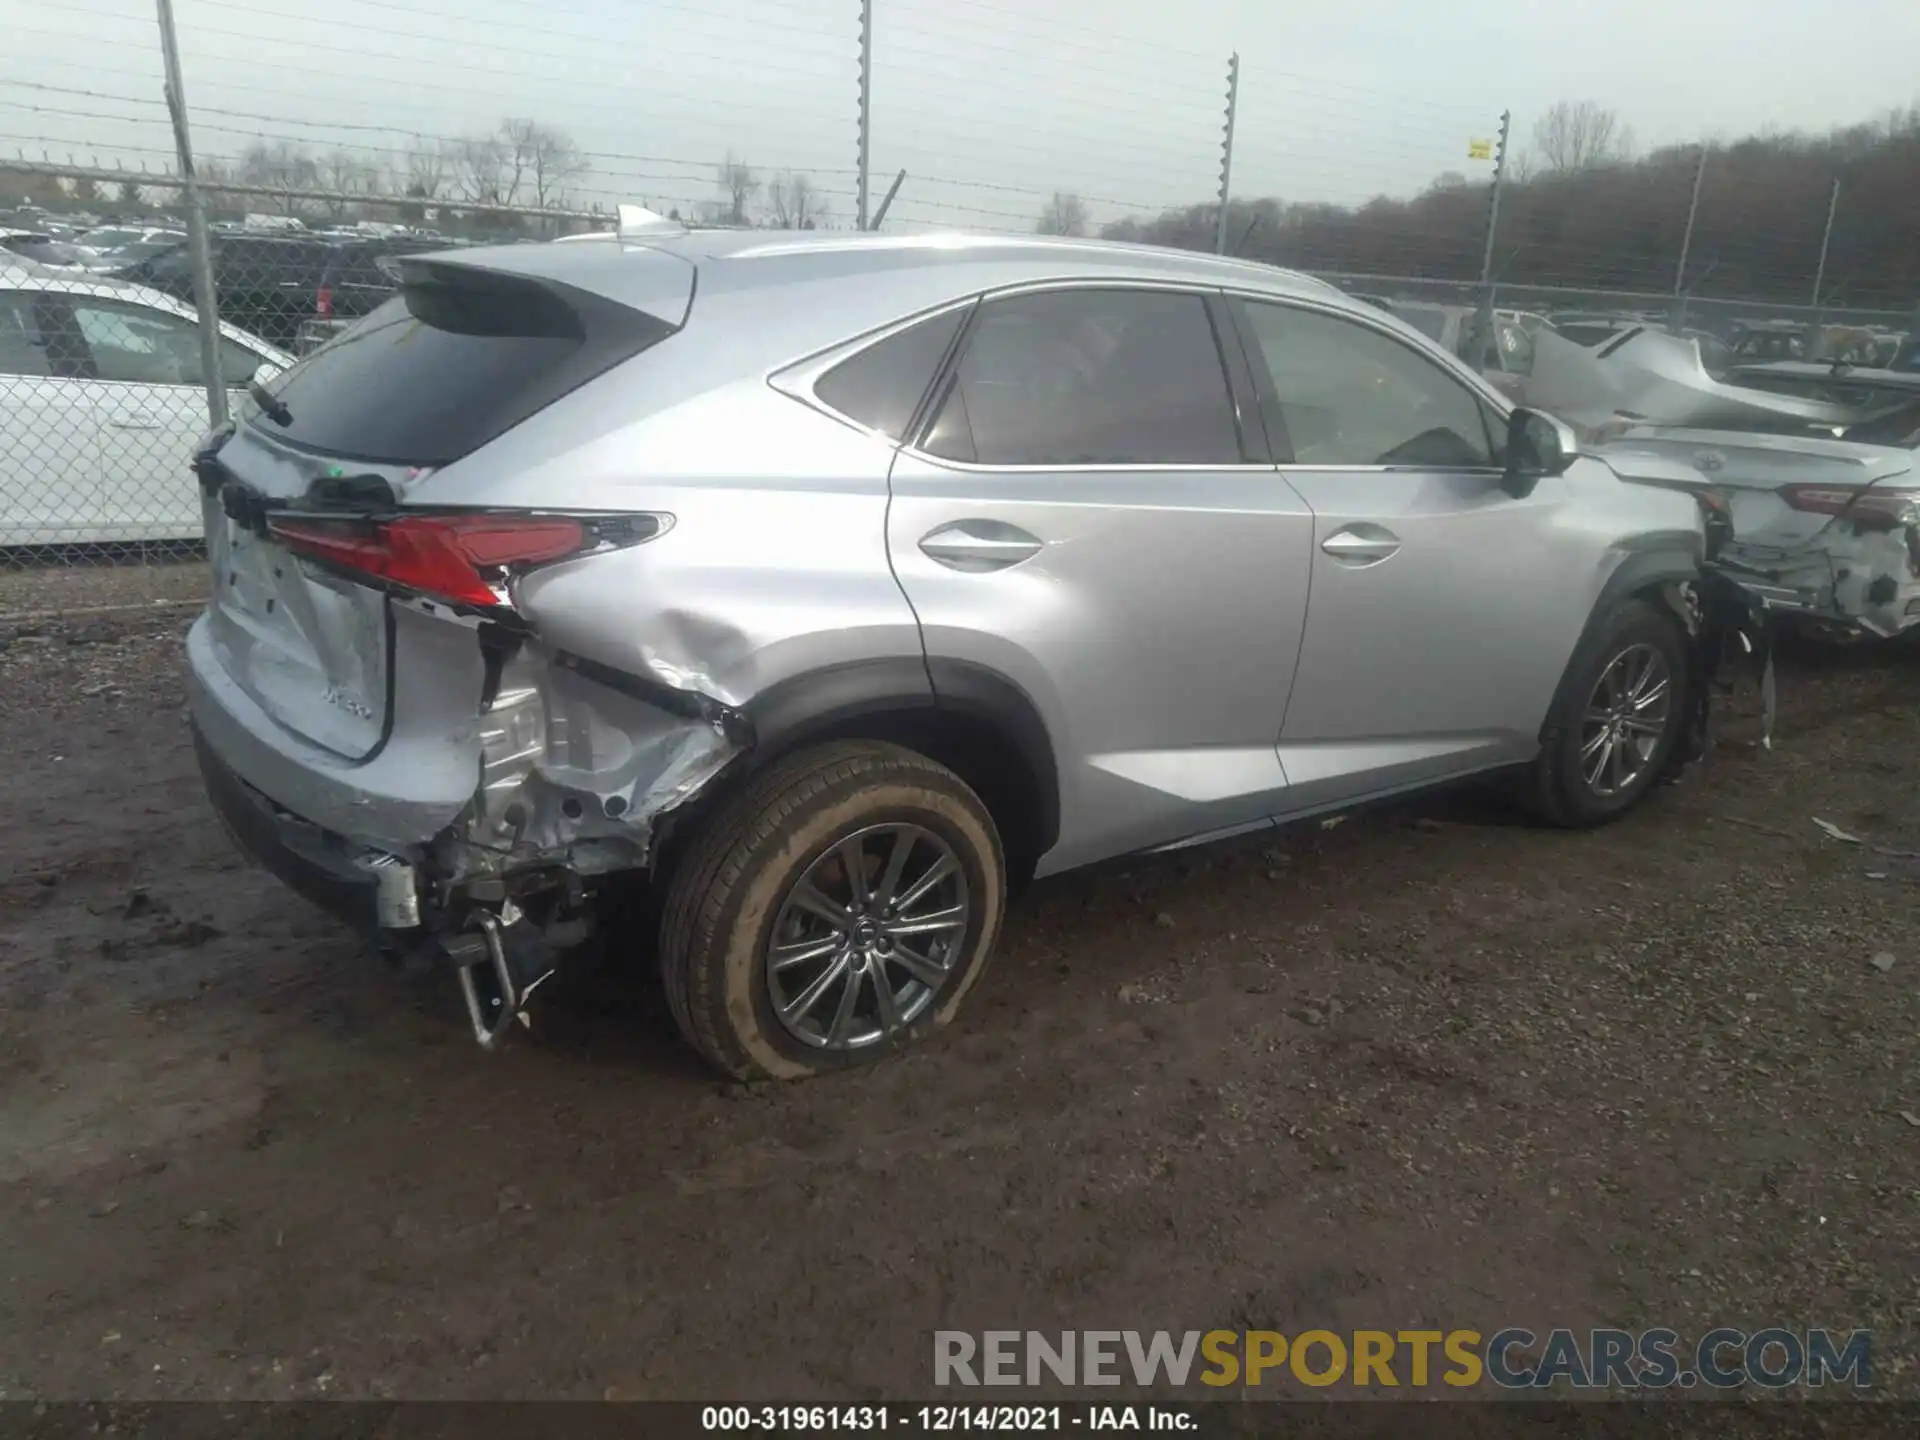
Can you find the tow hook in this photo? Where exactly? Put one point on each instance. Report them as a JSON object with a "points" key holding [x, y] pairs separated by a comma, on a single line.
{"points": [[495, 997]]}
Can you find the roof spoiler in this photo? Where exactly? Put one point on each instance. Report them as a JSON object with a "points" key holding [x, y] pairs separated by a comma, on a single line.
{"points": [[639, 223]]}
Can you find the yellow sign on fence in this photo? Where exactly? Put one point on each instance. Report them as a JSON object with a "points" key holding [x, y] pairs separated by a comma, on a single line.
{"points": [[1479, 149]]}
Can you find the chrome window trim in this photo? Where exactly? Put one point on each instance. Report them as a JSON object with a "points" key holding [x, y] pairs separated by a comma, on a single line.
{"points": [[797, 378]]}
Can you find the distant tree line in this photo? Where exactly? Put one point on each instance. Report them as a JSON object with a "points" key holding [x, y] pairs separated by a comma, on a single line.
{"points": [[522, 164], [1579, 211]]}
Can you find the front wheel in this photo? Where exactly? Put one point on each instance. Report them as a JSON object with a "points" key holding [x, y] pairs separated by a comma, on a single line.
{"points": [[839, 907], [1619, 715]]}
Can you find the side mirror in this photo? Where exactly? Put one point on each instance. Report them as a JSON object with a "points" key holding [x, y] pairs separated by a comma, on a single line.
{"points": [[1537, 446]]}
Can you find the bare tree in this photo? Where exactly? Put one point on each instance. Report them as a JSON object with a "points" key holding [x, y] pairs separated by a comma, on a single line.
{"points": [[344, 172], [480, 170], [739, 182], [426, 167], [796, 204], [283, 166], [1579, 134], [131, 195], [539, 158], [1064, 215]]}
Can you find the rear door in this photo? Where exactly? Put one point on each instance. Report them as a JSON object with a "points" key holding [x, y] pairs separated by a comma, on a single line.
{"points": [[1443, 615], [49, 443], [1089, 511]]}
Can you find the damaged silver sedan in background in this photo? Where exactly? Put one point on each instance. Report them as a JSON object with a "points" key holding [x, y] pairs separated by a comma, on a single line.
{"points": [[1811, 465], [824, 590]]}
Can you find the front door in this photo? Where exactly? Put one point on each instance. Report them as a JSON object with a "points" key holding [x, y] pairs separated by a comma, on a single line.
{"points": [[1091, 513], [1441, 617]]}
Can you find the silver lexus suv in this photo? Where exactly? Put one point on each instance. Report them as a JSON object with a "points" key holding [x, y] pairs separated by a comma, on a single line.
{"points": [[815, 593]]}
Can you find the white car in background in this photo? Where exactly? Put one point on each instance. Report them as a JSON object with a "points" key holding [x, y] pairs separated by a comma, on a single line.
{"points": [[115, 247], [101, 404]]}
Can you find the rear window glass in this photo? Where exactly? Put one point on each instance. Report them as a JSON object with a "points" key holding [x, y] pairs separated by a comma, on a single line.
{"points": [[451, 362]]}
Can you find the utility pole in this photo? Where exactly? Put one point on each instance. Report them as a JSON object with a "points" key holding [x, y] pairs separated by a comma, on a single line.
{"points": [[1226, 152], [866, 105], [198, 249], [1686, 246], [1483, 322], [1826, 239]]}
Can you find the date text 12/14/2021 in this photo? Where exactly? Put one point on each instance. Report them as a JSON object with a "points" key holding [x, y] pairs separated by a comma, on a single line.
{"points": [[943, 1419]]}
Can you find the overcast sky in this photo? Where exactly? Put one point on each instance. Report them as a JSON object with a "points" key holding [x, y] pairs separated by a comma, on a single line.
{"points": [[988, 104]]}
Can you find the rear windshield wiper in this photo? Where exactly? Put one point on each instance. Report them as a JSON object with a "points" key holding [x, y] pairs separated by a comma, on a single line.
{"points": [[274, 407]]}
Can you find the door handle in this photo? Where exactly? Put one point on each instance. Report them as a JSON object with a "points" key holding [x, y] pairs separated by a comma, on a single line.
{"points": [[1361, 545], [977, 546], [135, 422]]}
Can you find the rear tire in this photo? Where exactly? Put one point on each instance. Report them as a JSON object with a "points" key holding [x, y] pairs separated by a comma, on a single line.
{"points": [[834, 817], [1620, 713]]}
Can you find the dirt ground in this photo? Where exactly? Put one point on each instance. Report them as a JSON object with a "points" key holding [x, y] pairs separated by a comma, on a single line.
{"points": [[1422, 1068]]}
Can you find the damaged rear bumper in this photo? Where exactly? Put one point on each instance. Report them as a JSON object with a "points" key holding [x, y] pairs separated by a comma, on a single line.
{"points": [[472, 841], [325, 868], [1850, 579]]}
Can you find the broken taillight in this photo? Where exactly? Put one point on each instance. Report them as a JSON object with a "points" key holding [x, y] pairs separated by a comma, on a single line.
{"points": [[1884, 503], [452, 557]]}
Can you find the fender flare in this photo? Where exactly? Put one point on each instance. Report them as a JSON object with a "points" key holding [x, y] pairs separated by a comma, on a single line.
{"points": [[1675, 564], [1678, 564], [819, 703]]}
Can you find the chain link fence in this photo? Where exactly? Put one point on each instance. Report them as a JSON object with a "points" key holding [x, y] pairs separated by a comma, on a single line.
{"points": [[103, 391]]}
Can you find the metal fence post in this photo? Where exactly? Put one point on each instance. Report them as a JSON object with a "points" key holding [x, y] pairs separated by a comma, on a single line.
{"points": [[1226, 152], [880, 215], [206, 301], [1826, 239], [866, 106], [1483, 321], [1686, 247]]}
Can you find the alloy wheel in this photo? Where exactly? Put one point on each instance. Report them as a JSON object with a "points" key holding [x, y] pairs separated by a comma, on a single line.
{"points": [[868, 935], [1625, 718]]}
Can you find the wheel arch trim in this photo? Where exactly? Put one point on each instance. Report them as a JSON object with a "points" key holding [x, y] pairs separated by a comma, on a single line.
{"points": [[823, 703]]}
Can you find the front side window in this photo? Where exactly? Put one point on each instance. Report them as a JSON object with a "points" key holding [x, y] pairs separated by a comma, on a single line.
{"points": [[1089, 377], [1350, 395]]}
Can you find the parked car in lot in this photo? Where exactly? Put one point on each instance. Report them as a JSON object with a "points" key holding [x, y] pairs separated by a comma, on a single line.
{"points": [[116, 247], [832, 587], [46, 249], [101, 403], [272, 285], [1506, 358]]}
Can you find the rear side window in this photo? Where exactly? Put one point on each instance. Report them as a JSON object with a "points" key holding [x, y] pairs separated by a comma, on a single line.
{"points": [[455, 359], [882, 385], [1089, 377]]}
